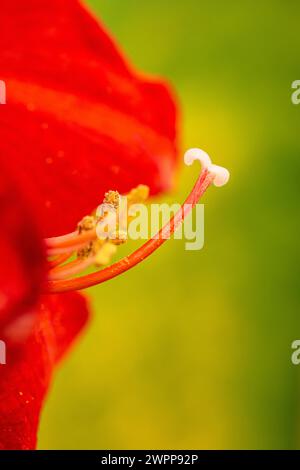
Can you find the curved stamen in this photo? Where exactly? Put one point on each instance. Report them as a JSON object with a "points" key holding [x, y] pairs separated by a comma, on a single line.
{"points": [[74, 267], [54, 241], [53, 263], [70, 240], [69, 249], [209, 174]]}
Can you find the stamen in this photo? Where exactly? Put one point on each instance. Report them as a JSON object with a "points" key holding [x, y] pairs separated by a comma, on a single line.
{"points": [[70, 269], [59, 260], [210, 174], [104, 254], [100, 255], [87, 223], [69, 242], [112, 198], [54, 241], [77, 239]]}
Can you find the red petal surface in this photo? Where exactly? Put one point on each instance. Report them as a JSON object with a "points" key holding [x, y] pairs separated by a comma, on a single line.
{"points": [[22, 255], [36, 330], [78, 120], [25, 378]]}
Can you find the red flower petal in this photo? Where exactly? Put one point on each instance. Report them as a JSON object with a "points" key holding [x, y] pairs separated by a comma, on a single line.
{"points": [[36, 335], [84, 121], [22, 254], [25, 378]]}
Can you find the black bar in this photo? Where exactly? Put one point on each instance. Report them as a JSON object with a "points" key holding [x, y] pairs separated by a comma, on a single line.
{"points": [[138, 458]]}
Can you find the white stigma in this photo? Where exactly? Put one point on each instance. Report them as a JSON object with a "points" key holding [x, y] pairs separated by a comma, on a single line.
{"points": [[197, 154], [221, 174]]}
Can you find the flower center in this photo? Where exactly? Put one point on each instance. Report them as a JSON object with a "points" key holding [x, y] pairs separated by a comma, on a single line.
{"points": [[93, 244]]}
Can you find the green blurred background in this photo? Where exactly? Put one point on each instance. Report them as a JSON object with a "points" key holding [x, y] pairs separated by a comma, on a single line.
{"points": [[192, 349]]}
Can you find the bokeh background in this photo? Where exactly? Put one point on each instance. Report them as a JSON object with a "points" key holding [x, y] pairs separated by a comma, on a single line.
{"points": [[192, 349]]}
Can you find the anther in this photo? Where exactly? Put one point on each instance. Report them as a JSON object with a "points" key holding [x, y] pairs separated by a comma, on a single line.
{"points": [[103, 256], [112, 198], [87, 223]]}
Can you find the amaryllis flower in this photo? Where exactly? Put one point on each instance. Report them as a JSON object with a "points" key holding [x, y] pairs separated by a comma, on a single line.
{"points": [[78, 122]]}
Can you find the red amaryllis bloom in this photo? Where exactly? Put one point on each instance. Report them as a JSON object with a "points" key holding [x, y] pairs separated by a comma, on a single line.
{"points": [[78, 122]]}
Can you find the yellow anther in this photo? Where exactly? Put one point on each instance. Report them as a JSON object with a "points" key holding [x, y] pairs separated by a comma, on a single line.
{"points": [[105, 246], [138, 194], [91, 249], [103, 256], [86, 251], [87, 223], [112, 197], [97, 245]]}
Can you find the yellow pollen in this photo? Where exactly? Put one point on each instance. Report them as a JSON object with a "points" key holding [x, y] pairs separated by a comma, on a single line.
{"points": [[138, 194], [86, 251], [112, 197], [103, 256], [87, 223]]}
